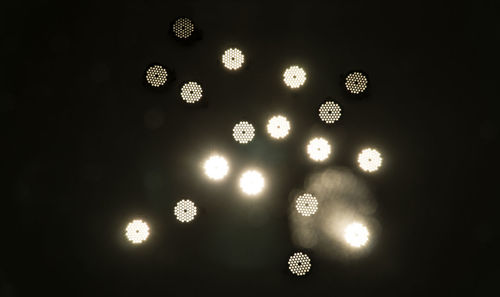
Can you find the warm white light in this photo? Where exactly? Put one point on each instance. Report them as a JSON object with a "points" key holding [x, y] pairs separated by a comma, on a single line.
{"points": [[183, 28], [243, 132], [369, 160], [137, 231], [356, 235], [156, 75], [356, 82], [299, 264], [306, 204], [318, 149], [278, 127], [252, 182], [294, 77], [191, 92], [185, 210], [216, 167], [329, 112], [233, 59]]}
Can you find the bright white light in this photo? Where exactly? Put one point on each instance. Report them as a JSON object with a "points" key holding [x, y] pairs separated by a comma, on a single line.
{"points": [[278, 127], [251, 182], [356, 235], [356, 82], [233, 58], [156, 75], [294, 77], [243, 132], [299, 264], [318, 149], [137, 231], [369, 160], [185, 211], [216, 167], [306, 204], [191, 92], [329, 112], [183, 28]]}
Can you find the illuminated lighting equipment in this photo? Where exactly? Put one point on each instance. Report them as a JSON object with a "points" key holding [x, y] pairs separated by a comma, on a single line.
{"points": [[251, 182], [278, 127], [185, 211], [233, 59], [306, 204], [216, 167], [137, 231], [356, 235], [156, 75], [243, 132], [329, 112], [294, 77], [191, 92], [356, 82], [318, 149], [299, 264], [183, 28], [369, 160]]}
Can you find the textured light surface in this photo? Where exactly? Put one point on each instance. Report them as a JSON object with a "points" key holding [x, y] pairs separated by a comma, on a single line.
{"points": [[318, 149], [329, 112], [156, 75], [278, 127], [185, 211], [299, 264], [137, 231], [243, 132], [356, 82], [216, 167], [294, 77], [251, 182], [369, 160], [233, 59], [356, 235], [191, 92], [306, 204], [183, 28]]}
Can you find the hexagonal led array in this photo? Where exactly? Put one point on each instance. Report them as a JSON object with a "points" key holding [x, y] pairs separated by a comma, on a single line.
{"points": [[369, 160], [137, 231], [251, 182], [156, 75], [294, 77], [356, 235], [306, 204], [329, 112], [183, 28], [233, 59], [299, 264], [318, 149], [278, 127], [243, 132], [191, 92], [185, 211], [356, 82], [216, 167]]}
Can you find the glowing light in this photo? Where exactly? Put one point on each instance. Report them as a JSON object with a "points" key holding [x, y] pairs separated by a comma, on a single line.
{"points": [[369, 160], [329, 112], [356, 82], [278, 127], [318, 149], [156, 75], [243, 132], [137, 231], [299, 264], [251, 182], [233, 59], [183, 28], [191, 92], [294, 77], [356, 235], [185, 211], [216, 167], [306, 204]]}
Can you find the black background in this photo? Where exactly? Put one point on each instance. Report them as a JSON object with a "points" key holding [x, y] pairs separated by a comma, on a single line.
{"points": [[88, 146]]}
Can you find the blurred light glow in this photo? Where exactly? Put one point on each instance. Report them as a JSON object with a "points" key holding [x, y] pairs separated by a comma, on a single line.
{"points": [[183, 28], [243, 132], [329, 112], [233, 59], [369, 160], [319, 149], [216, 167], [356, 235], [306, 204], [137, 231], [294, 77], [252, 182], [356, 82], [191, 92], [299, 264], [185, 211], [156, 75], [278, 127]]}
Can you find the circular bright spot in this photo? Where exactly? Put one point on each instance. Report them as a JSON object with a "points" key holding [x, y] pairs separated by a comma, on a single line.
{"points": [[185, 211], [183, 28], [356, 82], [191, 92], [369, 160], [278, 127], [294, 77], [306, 204], [299, 264], [251, 182], [216, 167], [318, 149], [243, 132], [137, 231], [156, 75], [329, 112], [356, 235], [233, 59]]}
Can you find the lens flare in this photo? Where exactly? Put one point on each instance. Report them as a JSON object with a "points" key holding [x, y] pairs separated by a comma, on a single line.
{"points": [[356, 235], [137, 231], [319, 149], [216, 167], [252, 182], [278, 127]]}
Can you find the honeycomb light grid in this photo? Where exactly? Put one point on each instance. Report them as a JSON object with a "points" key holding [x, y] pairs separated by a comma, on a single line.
{"points": [[156, 75], [243, 132], [278, 127], [185, 211], [356, 82], [299, 264], [356, 235], [252, 182], [191, 92], [137, 231], [233, 59], [329, 112], [319, 149], [183, 28], [369, 160], [294, 77], [216, 167], [306, 204]]}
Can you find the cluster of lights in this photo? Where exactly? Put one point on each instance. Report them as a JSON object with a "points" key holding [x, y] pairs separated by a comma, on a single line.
{"points": [[191, 92], [329, 112], [185, 211], [294, 77], [252, 182], [233, 59], [369, 160], [306, 204], [243, 132], [137, 231], [356, 235], [278, 127], [183, 28], [299, 264], [216, 167], [318, 149], [156, 75], [356, 82]]}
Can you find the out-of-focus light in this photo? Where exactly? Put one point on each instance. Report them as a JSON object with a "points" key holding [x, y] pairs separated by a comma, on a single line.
{"points": [[243, 132], [185, 211], [251, 182], [369, 160], [137, 231], [319, 149], [356, 82], [329, 112], [356, 235], [216, 167], [191, 92], [156, 75], [278, 127], [183, 28], [299, 264], [294, 77], [306, 204], [233, 59]]}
